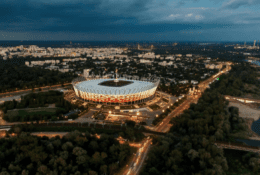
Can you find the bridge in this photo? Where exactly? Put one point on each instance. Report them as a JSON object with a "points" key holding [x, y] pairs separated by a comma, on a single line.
{"points": [[237, 146], [243, 100]]}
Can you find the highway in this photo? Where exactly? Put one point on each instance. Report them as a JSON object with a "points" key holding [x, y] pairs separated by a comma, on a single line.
{"points": [[165, 126], [165, 122], [29, 90], [139, 158]]}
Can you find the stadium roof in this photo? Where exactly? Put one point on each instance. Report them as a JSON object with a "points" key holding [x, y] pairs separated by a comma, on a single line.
{"points": [[92, 86]]}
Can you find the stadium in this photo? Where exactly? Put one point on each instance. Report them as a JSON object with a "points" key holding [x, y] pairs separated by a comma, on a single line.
{"points": [[115, 91]]}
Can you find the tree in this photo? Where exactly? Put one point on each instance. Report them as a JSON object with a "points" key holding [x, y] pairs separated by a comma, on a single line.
{"points": [[130, 123], [96, 158], [92, 172], [103, 169], [154, 171], [43, 169], [192, 154], [113, 167]]}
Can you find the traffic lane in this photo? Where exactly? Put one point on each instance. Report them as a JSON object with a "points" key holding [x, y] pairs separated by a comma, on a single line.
{"points": [[45, 87], [18, 97], [166, 120], [171, 115], [140, 164], [179, 110], [10, 94], [139, 156]]}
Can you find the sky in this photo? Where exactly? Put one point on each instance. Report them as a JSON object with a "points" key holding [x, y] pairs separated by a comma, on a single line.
{"points": [[130, 20]]}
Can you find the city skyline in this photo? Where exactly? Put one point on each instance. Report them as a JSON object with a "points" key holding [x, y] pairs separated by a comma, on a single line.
{"points": [[189, 20]]}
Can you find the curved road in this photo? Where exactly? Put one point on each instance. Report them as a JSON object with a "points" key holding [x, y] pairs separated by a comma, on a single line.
{"points": [[165, 126]]}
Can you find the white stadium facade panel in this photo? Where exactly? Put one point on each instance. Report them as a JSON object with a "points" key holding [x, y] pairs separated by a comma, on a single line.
{"points": [[137, 91]]}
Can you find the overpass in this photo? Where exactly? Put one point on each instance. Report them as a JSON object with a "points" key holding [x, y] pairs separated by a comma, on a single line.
{"points": [[243, 100], [237, 146]]}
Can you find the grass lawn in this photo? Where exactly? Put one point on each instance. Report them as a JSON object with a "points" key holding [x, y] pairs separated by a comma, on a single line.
{"points": [[154, 107], [31, 111]]}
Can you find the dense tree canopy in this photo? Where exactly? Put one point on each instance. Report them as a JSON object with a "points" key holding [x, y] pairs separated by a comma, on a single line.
{"points": [[189, 146], [73, 154], [235, 83], [15, 77]]}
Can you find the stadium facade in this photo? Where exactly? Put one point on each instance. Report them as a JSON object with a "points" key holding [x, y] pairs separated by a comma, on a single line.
{"points": [[135, 91]]}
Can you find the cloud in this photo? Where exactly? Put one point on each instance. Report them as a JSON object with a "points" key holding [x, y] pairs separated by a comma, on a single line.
{"points": [[198, 8], [75, 15], [189, 15], [103, 18], [199, 17], [174, 15], [235, 4]]}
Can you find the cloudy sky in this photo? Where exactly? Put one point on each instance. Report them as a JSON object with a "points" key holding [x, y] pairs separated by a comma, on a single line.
{"points": [[130, 20]]}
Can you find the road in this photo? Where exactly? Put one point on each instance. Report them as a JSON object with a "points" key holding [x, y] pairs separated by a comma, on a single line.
{"points": [[165, 126], [139, 158], [29, 90]]}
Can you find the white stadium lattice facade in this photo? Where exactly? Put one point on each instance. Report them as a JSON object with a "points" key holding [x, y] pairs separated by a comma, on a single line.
{"points": [[133, 92]]}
